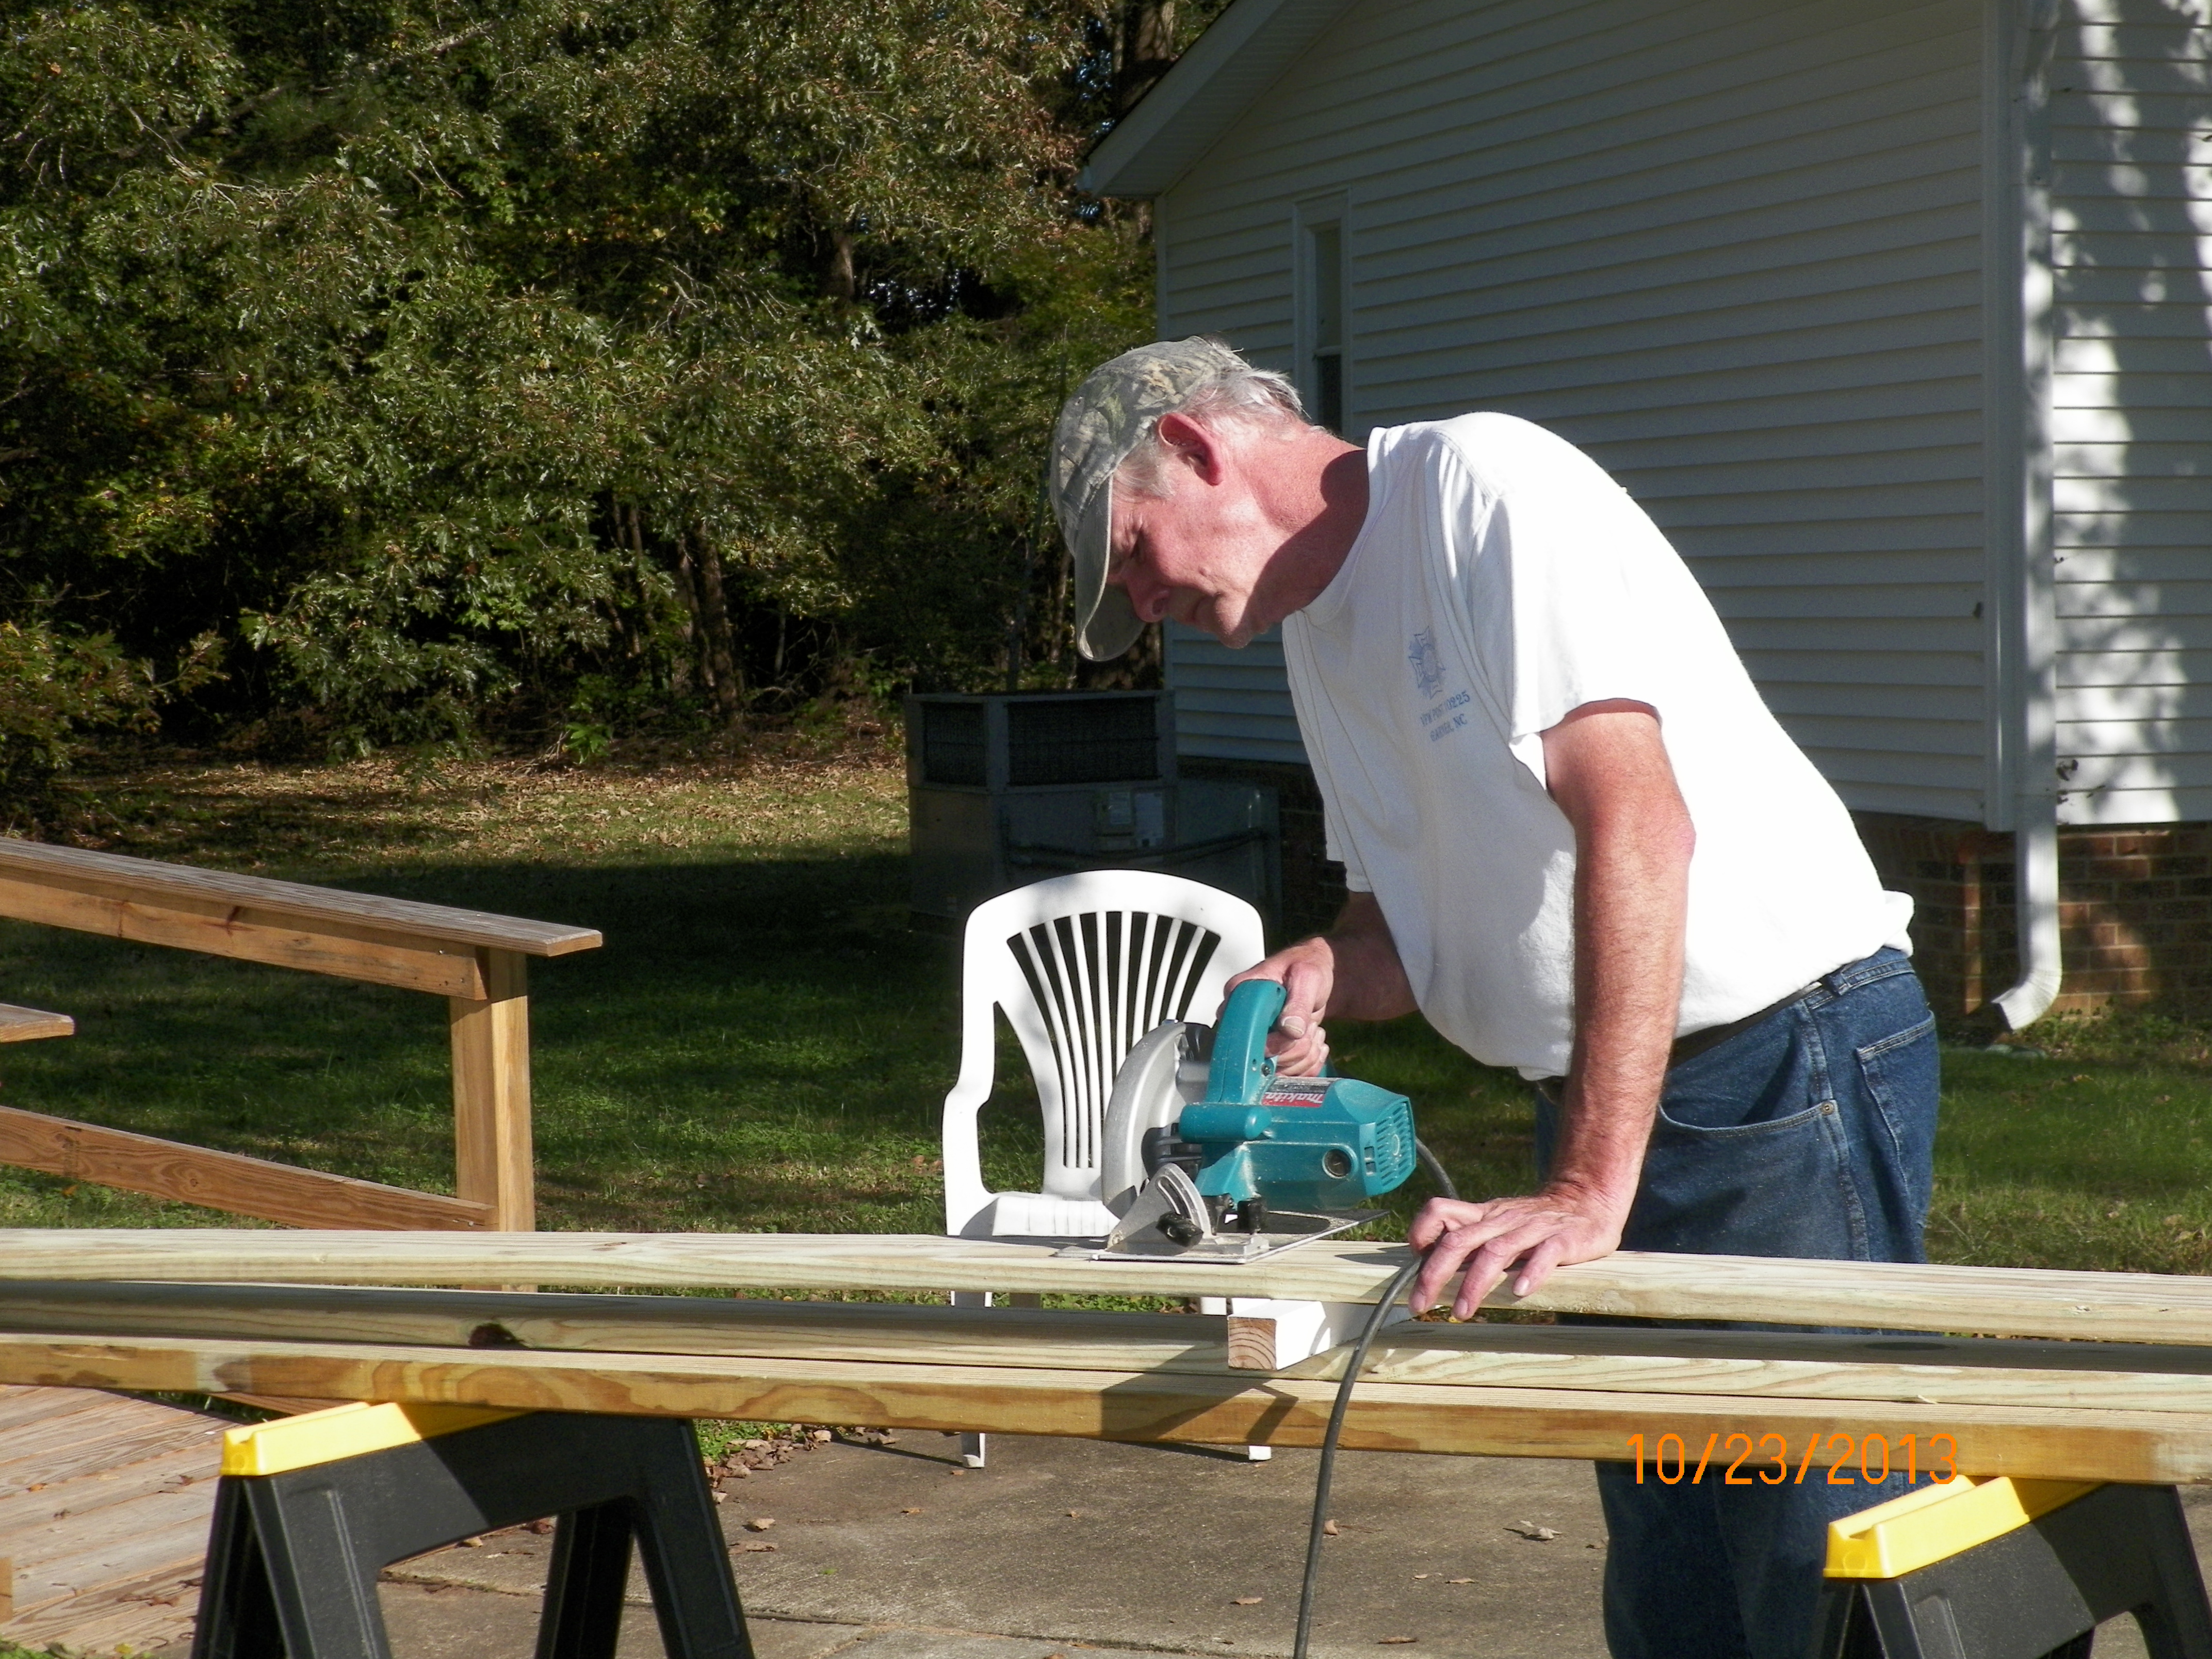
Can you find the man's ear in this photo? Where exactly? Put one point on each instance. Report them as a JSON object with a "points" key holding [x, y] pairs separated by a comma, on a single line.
{"points": [[1196, 447]]}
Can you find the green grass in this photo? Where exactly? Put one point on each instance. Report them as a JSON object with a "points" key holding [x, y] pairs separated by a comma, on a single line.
{"points": [[762, 1044], [2095, 1153]]}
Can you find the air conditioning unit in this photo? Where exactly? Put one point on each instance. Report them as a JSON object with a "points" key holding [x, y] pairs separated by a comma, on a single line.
{"points": [[1004, 789]]}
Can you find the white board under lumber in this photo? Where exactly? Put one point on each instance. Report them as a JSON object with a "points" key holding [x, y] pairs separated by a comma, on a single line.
{"points": [[1992, 1301]]}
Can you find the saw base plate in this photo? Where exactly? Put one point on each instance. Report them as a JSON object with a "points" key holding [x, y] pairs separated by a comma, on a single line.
{"points": [[1227, 1249]]}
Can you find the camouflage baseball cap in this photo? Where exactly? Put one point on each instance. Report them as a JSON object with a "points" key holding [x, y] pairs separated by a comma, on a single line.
{"points": [[1109, 415]]}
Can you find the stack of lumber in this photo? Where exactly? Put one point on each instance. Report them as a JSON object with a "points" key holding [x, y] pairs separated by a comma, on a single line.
{"points": [[2060, 1375]]}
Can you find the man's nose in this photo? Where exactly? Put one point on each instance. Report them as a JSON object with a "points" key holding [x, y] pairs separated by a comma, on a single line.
{"points": [[1148, 597]]}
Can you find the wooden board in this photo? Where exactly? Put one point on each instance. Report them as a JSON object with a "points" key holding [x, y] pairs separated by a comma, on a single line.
{"points": [[1224, 1410], [1931, 1370], [104, 1507], [490, 1041], [223, 1180], [28, 1025], [150, 885], [1995, 1301], [216, 927]]}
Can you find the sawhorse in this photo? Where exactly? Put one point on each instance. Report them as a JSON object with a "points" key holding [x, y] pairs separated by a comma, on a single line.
{"points": [[312, 1508], [2007, 1569]]}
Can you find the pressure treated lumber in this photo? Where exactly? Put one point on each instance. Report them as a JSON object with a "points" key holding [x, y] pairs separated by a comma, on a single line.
{"points": [[1928, 1369], [1993, 1301], [28, 1025], [1225, 1410], [143, 888], [223, 1180], [493, 1163], [475, 960], [626, 1324]]}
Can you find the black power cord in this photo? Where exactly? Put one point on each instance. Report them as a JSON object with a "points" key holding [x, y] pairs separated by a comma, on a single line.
{"points": [[1435, 1170], [1322, 1481], [1326, 1476]]}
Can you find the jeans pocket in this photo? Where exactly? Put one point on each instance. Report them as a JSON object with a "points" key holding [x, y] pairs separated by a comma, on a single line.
{"points": [[1900, 1073], [1779, 1186], [1672, 1128]]}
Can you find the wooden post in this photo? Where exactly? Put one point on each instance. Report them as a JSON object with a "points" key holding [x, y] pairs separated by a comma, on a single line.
{"points": [[491, 1093]]}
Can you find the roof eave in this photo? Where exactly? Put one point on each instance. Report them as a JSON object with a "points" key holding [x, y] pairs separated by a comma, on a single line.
{"points": [[1245, 51]]}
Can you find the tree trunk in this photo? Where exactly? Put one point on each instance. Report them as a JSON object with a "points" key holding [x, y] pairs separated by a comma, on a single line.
{"points": [[841, 279], [721, 645], [695, 637], [1144, 52]]}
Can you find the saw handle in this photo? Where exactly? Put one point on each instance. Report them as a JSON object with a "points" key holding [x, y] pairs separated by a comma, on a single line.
{"points": [[1241, 1068]]}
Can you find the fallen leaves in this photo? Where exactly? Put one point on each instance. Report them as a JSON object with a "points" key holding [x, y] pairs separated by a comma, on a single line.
{"points": [[1244, 1600], [1395, 1641], [1533, 1533], [1328, 1530], [760, 1523]]}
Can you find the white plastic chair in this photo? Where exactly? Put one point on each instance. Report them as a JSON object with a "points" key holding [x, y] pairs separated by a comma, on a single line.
{"points": [[1082, 966]]}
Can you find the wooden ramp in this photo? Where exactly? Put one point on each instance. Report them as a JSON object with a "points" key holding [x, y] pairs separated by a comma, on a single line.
{"points": [[105, 1501]]}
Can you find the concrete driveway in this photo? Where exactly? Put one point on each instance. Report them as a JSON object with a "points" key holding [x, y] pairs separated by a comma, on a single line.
{"points": [[897, 1553]]}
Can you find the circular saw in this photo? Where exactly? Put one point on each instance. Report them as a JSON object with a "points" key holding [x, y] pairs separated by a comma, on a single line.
{"points": [[1208, 1155]]}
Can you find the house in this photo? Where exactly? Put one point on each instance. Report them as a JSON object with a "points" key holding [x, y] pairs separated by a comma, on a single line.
{"points": [[1895, 315]]}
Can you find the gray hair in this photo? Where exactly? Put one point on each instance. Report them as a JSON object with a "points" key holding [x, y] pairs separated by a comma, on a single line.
{"points": [[1237, 395]]}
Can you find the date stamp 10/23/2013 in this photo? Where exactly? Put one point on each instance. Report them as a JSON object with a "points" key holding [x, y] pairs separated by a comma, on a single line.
{"points": [[1843, 1460]]}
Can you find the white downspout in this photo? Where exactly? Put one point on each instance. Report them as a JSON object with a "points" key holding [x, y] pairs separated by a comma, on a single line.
{"points": [[2035, 862], [2019, 40]]}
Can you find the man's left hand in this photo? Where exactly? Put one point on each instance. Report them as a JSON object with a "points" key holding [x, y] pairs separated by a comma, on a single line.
{"points": [[1526, 1238]]}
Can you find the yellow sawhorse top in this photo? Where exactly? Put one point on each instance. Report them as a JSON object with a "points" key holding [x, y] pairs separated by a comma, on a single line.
{"points": [[343, 1431]]}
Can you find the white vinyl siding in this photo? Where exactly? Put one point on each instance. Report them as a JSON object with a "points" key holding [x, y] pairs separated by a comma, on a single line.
{"points": [[1231, 705], [2131, 239], [1732, 248]]}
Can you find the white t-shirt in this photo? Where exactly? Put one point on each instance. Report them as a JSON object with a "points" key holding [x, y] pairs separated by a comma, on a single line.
{"points": [[1502, 580]]}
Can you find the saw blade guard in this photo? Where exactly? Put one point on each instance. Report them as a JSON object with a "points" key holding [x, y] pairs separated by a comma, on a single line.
{"points": [[1164, 1073]]}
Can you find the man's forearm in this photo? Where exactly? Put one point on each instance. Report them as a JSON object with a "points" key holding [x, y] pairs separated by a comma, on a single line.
{"points": [[1630, 906], [1631, 898]]}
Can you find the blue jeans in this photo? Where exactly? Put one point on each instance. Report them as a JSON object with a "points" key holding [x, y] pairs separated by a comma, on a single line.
{"points": [[1810, 1133]]}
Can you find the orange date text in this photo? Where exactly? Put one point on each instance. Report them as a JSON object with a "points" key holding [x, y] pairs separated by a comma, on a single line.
{"points": [[1741, 1459]]}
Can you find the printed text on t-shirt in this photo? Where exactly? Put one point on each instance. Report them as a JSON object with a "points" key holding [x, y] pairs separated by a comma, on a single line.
{"points": [[1441, 718]]}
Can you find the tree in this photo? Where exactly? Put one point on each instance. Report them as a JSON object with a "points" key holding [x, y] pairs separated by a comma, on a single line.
{"points": [[442, 358]]}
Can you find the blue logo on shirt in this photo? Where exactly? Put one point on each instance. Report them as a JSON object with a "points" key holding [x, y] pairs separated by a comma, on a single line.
{"points": [[1428, 665]]}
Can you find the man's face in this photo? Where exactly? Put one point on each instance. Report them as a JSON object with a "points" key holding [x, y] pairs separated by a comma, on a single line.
{"points": [[1199, 555]]}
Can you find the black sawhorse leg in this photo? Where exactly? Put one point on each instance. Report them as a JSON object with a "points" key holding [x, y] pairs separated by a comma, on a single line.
{"points": [[293, 1556], [2039, 1589]]}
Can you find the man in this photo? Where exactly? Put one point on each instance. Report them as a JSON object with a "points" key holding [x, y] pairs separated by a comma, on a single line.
{"points": [[1575, 838]]}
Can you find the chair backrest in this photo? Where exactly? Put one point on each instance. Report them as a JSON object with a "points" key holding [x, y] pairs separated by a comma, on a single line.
{"points": [[1085, 965]]}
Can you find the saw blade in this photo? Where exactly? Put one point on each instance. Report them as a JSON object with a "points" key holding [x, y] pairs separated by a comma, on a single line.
{"points": [[1167, 1216]]}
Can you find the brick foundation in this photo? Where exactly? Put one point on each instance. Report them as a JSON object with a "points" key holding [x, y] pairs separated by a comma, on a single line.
{"points": [[2136, 901], [2134, 911]]}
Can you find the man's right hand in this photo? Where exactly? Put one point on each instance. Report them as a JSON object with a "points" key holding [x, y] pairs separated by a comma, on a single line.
{"points": [[1351, 972], [1307, 972]]}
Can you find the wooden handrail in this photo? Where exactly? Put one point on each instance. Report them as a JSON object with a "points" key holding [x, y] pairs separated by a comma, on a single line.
{"points": [[477, 960], [74, 869], [29, 1024]]}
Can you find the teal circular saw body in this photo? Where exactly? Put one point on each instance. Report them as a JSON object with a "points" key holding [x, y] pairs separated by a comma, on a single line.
{"points": [[1301, 1143], [1257, 1162]]}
